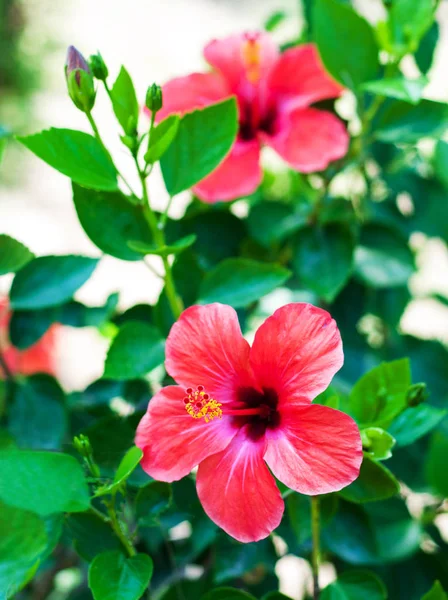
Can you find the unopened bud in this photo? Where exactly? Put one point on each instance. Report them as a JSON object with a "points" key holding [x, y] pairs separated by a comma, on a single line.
{"points": [[417, 394], [98, 66], [154, 99], [79, 80], [82, 445]]}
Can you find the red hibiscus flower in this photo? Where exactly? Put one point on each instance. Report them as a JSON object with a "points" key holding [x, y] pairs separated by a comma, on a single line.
{"points": [[238, 410], [274, 93], [38, 358]]}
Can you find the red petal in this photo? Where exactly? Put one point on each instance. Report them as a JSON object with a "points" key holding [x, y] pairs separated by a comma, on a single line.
{"points": [[308, 139], [238, 175], [300, 77], [205, 347], [173, 443], [237, 491], [296, 352], [316, 450]]}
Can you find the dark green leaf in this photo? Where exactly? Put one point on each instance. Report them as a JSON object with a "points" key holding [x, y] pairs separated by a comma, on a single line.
{"points": [[137, 349], [152, 500], [13, 255], [377, 443], [75, 154], [408, 90], [203, 139], [91, 535], [408, 22], [124, 102], [161, 137], [436, 593], [43, 482], [114, 577], [355, 585], [299, 512], [240, 281], [174, 248], [337, 30], [415, 422], [436, 470], [50, 280], [271, 222], [425, 53], [111, 221], [402, 123], [374, 483], [441, 162], [227, 593]]}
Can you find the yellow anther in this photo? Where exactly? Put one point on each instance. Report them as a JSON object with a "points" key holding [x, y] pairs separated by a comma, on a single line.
{"points": [[199, 405], [251, 52]]}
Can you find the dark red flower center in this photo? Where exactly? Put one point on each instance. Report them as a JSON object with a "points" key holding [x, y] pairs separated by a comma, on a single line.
{"points": [[266, 402], [253, 120]]}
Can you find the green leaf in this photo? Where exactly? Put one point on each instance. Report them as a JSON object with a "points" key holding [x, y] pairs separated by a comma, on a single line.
{"points": [[354, 585], [75, 154], [441, 162], [137, 349], [403, 123], [274, 20], [299, 512], [174, 248], [203, 140], [383, 258], [50, 280], [240, 281], [43, 482], [114, 577], [337, 30], [415, 422], [227, 593], [37, 417], [425, 53], [380, 394], [91, 535], [408, 22], [374, 483], [111, 221], [152, 500], [161, 138], [436, 470], [124, 102], [436, 593], [272, 222], [13, 255], [128, 464], [408, 90], [377, 443], [327, 251]]}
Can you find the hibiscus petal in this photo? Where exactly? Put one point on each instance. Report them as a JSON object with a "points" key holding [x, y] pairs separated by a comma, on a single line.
{"points": [[237, 491], [308, 139], [205, 347], [296, 352], [299, 77], [238, 175], [184, 94], [316, 449], [173, 443]]}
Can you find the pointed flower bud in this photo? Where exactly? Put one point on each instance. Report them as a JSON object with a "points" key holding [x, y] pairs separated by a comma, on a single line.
{"points": [[154, 99], [98, 66], [417, 394], [79, 80]]}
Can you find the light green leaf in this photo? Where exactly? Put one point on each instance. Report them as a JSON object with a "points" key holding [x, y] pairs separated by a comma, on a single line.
{"points": [[152, 500], [355, 585], [124, 102], [377, 443], [408, 22], [408, 90], [75, 154], [204, 138], [114, 577], [240, 281], [161, 137], [50, 280], [13, 255], [415, 422], [374, 483], [137, 349], [436, 593], [128, 464], [174, 248], [402, 123]]}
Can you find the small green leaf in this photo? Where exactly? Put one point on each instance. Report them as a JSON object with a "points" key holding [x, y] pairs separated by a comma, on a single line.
{"points": [[137, 349], [355, 585], [377, 443], [43, 482], [408, 90], [274, 20], [124, 102], [161, 137], [436, 470], [337, 30], [50, 280], [128, 464], [114, 577], [402, 123], [227, 593], [436, 593], [415, 422], [240, 281], [75, 154], [174, 248], [13, 255], [152, 500], [204, 138]]}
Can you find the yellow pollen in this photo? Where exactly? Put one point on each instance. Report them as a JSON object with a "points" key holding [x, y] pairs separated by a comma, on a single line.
{"points": [[251, 52], [199, 405]]}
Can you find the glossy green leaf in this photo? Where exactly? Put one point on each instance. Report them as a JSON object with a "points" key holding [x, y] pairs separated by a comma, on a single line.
{"points": [[415, 422], [152, 500], [383, 258], [337, 30], [272, 222], [114, 577], [240, 281], [425, 53], [408, 90], [161, 137], [408, 22], [75, 154], [124, 102], [402, 123], [227, 593], [203, 139], [128, 464], [13, 255], [327, 251], [50, 280], [436, 593], [374, 483], [91, 535], [436, 470], [355, 585], [174, 248], [43, 482], [377, 443], [137, 349]]}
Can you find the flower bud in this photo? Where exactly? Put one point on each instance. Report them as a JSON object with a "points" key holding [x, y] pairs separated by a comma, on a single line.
{"points": [[79, 80], [417, 394], [82, 445], [154, 98], [98, 66]]}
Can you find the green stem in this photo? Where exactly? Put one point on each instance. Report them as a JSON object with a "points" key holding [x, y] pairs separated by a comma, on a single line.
{"points": [[164, 216], [315, 557], [115, 524]]}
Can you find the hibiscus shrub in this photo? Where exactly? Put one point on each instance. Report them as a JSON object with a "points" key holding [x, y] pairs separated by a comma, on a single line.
{"points": [[319, 434]]}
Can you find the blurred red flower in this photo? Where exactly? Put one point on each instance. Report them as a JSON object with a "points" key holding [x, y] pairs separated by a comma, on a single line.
{"points": [[250, 406]]}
